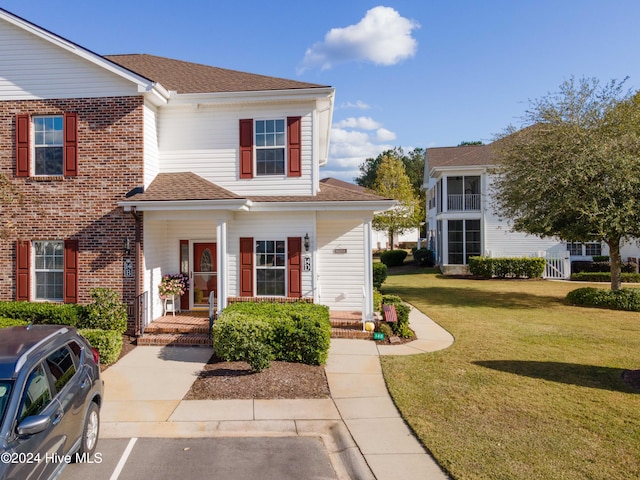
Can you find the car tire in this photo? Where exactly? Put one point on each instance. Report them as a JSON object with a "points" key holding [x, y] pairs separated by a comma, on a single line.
{"points": [[90, 431]]}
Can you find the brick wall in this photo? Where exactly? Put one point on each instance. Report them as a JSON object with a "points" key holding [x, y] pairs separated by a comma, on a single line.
{"points": [[84, 207]]}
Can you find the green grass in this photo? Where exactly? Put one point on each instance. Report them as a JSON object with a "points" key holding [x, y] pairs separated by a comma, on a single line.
{"points": [[531, 388]]}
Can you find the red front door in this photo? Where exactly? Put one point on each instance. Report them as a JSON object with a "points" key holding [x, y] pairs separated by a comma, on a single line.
{"points": [[205, 279]]}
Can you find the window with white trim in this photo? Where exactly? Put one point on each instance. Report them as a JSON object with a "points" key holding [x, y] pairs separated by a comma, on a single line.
{"points": [[580, 249], [48, 270], [48, 145], [271, 268], [270, 144]]}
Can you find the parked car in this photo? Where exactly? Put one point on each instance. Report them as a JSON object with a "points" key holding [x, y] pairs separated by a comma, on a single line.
{"points": [[50, 397]]}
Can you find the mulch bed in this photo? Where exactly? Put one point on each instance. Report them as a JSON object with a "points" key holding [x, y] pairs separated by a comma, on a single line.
{"points": [[235, 380]]}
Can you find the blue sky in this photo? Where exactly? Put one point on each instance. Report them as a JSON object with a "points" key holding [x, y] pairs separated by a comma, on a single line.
{"points": [[409, 73]]}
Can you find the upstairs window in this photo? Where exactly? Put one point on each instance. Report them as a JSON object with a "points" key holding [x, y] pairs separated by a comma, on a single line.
{"points": [[48, 145], [270, 147]]}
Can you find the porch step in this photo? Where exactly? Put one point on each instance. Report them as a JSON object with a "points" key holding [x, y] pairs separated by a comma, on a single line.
{"points": [[176, 339], [156, 328], [337, 332]]}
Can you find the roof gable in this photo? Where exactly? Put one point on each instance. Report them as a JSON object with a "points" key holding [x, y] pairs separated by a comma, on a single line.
{"points": [[465, 156]]}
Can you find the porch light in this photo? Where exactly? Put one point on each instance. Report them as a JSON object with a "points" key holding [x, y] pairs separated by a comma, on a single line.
{"points": [[126, 246], [306, 242]]}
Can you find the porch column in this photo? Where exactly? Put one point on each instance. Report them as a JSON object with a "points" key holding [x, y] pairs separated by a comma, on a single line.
{"points": [[367, 307], [221, 247]]}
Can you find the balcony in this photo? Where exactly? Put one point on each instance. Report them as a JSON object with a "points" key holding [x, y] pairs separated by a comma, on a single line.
{"points": [[469, 202]]}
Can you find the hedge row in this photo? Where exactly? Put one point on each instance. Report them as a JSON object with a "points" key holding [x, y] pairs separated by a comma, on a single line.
{"points": [[12, 322], [604, 277], [44, 313], [261, 332], [580, 266], [108, 343], [487, 267], [623, 299]]}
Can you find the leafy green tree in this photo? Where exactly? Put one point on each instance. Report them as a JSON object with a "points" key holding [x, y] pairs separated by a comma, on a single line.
{"points": [[392, 182], [467, 143], [572, 172]]}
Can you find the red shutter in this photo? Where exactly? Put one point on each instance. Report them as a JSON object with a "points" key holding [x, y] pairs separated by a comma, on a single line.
{"points": [[23, 278], [70, 144], [246, 267], [71, 271], [23, 122], [294, 266], [294, 143], [246, 148]]}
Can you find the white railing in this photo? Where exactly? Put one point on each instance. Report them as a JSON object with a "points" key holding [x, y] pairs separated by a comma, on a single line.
{"points": [[463, 202], [558, 268]]}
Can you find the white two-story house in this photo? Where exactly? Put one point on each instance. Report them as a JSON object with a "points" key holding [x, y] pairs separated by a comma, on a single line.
{"points": [[462, 221], [126, 168]]}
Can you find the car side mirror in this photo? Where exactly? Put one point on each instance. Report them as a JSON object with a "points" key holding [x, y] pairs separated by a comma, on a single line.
{"points": [[34, 424]]}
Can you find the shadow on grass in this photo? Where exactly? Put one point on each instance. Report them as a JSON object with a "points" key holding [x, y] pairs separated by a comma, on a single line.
{"points": [[604, 378], [466, 297]]}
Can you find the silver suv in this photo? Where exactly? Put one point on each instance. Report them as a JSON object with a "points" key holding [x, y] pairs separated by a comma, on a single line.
{"points": [[50, 397]]}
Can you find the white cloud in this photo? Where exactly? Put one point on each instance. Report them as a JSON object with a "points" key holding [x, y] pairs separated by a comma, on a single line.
{"points": [[384, 135], [382, 37], [363, 123], [359, 105]]}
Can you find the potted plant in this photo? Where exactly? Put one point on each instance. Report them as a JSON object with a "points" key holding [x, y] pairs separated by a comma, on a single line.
{"points": [[173, 285]]}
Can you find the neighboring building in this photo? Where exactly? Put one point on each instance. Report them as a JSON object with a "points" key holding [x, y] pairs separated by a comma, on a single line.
{"points": [[126, 168], [461, 220]]}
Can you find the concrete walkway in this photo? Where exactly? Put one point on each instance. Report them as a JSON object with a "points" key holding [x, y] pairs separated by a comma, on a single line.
{"points": [[362, 430]]}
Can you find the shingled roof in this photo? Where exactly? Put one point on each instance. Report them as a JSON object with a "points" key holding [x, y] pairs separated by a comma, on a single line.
{"points": [[185, 186], [470, 155], [187, 77]]}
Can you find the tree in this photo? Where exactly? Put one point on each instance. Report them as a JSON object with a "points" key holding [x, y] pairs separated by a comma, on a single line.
{"points": [[572, 172], [467, 143], [393, 182]]}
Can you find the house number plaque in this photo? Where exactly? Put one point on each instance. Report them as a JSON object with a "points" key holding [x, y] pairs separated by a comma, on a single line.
{"points": [[128, 268], [306, 263]]}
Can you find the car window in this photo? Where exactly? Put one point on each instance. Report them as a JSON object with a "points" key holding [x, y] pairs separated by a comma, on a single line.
{"points": [[37, 394], [61, 363], [5, 390]]}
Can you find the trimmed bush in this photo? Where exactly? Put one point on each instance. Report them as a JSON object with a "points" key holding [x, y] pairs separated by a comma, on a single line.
{"points": [[401, 327], [377, 300], [623, 299], [240, 337], [12, 322], [580, 266], [604, 277], [379, 274], [385, 328], [294, 332], [393, 258], [42, 312], [106, 312], [600, 258], [487, 267], [424, 257], [108, 343]]}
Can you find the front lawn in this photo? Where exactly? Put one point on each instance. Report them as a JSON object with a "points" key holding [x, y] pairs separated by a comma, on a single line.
{"points": [[531, 388]]}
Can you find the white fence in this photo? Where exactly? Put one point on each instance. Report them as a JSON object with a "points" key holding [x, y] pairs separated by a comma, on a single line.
{"points": [[558, 267]]}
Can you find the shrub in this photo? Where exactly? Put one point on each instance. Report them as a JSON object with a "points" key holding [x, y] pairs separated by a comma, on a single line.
{"points": [[379, 274], [385, 328], [424, 257], [12, 322], [600, 258], [604, 277], [106, 312], [580, 266], [108, 343], [623, 299], [401, 327], [486, 267], [377, 300], [42, 312], [298, 332], [393, 258], [239, 337]]}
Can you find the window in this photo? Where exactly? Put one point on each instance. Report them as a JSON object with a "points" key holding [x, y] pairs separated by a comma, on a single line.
{"points": [[270, 147], [48, 145], [574, 248], [463, 240], [270, 267], [49, 270], [593, 249], [37, 394], [579, 249], [62, 366]]}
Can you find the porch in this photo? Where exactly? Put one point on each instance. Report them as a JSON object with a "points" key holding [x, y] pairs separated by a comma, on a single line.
{"points": [[191, 328]]}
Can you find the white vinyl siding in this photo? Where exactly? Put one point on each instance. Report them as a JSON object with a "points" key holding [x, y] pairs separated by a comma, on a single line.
{"points": [[341, 263], [33, 68], [205, 141]]}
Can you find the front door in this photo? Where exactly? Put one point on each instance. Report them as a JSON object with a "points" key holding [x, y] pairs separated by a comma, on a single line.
{"points": [[205, 279]]}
